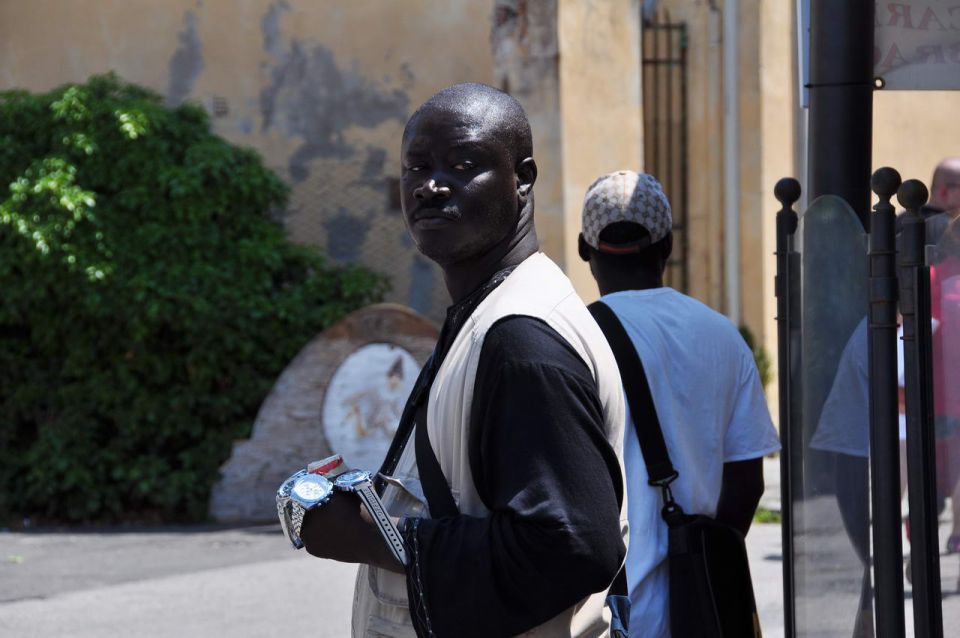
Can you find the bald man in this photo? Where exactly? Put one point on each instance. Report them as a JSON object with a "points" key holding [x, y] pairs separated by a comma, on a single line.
{"points": [[505, 475], [944, 203], [945, 186]]}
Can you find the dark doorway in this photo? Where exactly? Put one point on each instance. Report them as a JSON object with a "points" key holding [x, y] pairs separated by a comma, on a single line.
{"points": [[664, 69]]}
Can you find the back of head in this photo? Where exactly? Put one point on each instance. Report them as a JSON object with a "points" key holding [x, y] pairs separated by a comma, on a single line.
{"points": [[626, 224], [945, 185], [499, 112]]}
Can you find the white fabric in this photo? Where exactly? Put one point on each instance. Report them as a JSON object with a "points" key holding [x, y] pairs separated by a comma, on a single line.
{"points": [[712, 410], [536, 288]]}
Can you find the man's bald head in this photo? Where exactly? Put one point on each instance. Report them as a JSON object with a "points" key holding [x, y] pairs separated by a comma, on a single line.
{"points": [[945, 186], [499, 113]]}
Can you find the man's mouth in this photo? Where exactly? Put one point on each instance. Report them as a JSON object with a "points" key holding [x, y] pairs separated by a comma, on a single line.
{"points": [[430, 217]]}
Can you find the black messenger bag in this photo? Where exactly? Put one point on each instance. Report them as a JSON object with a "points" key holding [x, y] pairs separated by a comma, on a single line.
{"points": [[711, 592]]}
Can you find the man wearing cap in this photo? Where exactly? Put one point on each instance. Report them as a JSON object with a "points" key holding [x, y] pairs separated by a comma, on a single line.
{"points": [[702, 376], [505, 473]]}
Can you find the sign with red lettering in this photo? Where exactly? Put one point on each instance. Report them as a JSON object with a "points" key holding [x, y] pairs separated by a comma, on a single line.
{"points": [[917, 44]]}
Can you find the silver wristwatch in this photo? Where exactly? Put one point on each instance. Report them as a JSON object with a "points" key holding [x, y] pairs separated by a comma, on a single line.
{"points": [[297, 495], [359, 482]]}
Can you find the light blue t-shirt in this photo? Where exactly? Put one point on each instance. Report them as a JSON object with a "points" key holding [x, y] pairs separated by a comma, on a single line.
{"points": [[712, 410]]}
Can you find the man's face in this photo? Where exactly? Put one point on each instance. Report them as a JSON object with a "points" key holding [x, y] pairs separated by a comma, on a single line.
{"points": [[950, 195], [458, 186]]}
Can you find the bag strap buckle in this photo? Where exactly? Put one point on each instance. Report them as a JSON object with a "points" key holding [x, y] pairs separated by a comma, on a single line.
{"points": [[664, 485]]}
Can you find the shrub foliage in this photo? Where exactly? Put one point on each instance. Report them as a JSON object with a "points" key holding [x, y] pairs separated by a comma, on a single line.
{"points": [[148, 302]]}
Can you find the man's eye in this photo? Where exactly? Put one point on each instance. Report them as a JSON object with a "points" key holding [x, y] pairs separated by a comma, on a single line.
{"points": [[415, 169], [465, 165]]}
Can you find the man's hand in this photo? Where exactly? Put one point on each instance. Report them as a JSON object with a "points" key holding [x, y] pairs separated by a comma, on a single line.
{"points": [[338, 531]]}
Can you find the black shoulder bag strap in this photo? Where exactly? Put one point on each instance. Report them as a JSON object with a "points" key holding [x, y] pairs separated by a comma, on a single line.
{"points": [[642, 409], [637, 389], [435, 487], [434, 483]]}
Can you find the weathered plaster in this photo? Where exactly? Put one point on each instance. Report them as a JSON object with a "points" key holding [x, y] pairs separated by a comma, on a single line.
{"points": [[186, 65]]}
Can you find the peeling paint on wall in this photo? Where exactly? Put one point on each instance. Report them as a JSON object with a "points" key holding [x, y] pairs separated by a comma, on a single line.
{"points": [[373, 165], [309, 96], [346, 235], [186, 65], [524, 43], [422, 282], [270, 28], [321, 89]]}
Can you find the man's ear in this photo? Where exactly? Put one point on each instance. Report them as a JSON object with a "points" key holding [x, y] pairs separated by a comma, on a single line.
{"points": [[583, 248], [668, 246], [666, 249], [526, 175]]}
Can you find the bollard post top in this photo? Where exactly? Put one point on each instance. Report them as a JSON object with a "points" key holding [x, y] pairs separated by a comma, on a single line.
{"points": [[787, 191], [885, 182], [912, 194]]}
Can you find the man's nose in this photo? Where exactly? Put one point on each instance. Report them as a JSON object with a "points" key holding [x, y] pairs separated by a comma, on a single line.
{"points": [[431, 189]]}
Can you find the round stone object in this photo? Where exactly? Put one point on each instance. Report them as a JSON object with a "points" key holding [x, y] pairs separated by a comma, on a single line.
{"points": [[342, 394]]}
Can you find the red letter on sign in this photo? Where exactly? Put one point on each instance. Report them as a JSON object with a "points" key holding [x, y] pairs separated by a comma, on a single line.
{"points": [[894, 58], [899, 11], [930, 17]]}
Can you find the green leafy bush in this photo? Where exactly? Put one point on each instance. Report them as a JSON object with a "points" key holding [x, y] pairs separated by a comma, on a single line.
{"points": [[760, 356], [148, 302]]}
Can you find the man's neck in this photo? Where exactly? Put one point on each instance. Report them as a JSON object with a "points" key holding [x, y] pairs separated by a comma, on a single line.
{"points": [[634, 281], [462, 278]]}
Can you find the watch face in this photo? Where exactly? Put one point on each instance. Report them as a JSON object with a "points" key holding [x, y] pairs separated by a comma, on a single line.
{"points": [[287, 486], [311, 489], [351, 478]]}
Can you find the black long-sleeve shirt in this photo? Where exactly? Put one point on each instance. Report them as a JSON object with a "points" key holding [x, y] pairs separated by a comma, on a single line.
{"points": [[543, 467]]}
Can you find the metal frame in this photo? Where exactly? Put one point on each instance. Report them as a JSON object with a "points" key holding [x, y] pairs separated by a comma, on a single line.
{"points": [[921, 443], [884, 413], [787, 191]]}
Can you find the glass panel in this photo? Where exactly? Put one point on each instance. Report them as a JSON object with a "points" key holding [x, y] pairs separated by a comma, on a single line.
{"points": [[830, 484], [945, 306]]}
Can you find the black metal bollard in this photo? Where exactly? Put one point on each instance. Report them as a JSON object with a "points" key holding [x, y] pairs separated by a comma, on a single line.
{"points": [[787, 192], [884, 441], [921, 442]]}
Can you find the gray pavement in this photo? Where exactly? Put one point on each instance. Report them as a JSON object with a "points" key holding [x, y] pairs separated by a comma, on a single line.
{"points": [[244, 583]]}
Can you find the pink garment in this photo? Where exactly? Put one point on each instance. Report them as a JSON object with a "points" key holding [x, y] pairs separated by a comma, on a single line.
{"points": [[945, 307]]}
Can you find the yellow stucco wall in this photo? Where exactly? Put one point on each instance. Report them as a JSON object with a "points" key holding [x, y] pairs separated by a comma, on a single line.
{"points": [[321, 89], [914, 130], [778, 88], [575, 67], [600, 103]]}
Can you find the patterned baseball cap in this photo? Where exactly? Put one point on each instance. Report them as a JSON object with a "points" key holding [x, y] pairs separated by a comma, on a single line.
{"points": [[625, 196]]}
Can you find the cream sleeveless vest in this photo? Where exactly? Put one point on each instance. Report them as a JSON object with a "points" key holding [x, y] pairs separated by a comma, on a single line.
{"points": [[536, 288]]}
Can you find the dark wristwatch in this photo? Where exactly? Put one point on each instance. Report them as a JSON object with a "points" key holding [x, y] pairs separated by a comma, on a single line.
{"points": [[360, 483]]}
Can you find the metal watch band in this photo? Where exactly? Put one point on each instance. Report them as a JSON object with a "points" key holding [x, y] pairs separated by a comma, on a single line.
{"points": [[296, 521], [298, 494]]}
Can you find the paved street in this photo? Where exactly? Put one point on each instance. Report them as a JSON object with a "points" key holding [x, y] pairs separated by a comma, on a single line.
{"points": [[177, 582], [246, 582], [242, 583]]}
